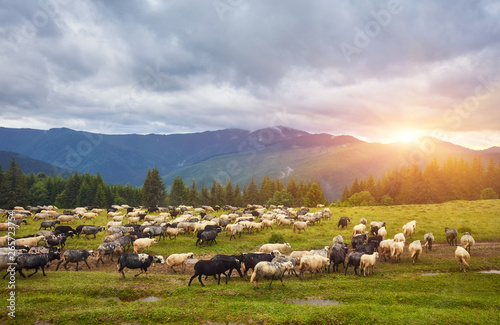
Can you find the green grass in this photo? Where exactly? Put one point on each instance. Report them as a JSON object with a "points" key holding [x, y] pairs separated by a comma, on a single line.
{"points": [[395, 293]]}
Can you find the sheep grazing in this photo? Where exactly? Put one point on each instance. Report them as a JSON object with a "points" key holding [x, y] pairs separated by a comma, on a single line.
{"points": [[313, 264], [415, 249], [385, 248], [107, 249], [270, 270], [138, 261], [34, 261], [338, 252], [30, 242], [359, 240], [49, 224], [397, 249], [236, 229], [408, 230], [172, 232], [353, 259], [467, 241], [339, 239], [282, 259], [368, 260], [299, 254], [178, 260], [429, 240], [142, 243], [382, 232], [451, 236], [269, 248], [358, 229], [214, 267], [399, 237], [343, 222], [462, 257], [75, 256], [300, 225]]}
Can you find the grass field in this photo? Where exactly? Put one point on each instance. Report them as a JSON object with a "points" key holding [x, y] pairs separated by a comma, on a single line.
{"points": [[398, 293]]}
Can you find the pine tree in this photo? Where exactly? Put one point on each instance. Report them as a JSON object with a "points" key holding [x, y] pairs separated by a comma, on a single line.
{"points": [[15, 183], [178, 192], [229, 193], [238, 198], [345, 194], [266, 189], [252, 193], [3, 190], [292, 188], [204, 195], [314, 195], [100, 197], [153, 189], [194, 198]]}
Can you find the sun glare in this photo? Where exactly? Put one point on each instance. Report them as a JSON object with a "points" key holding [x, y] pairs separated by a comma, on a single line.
{"points": [[406, 136]]}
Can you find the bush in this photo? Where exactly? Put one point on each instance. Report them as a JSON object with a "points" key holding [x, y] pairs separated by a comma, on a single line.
{"points": [[488, 194], [277, 238]]}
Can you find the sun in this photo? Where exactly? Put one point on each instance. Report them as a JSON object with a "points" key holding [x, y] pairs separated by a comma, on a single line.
{"points": [[407, 136]]}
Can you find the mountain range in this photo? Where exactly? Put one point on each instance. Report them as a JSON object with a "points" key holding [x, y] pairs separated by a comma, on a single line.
{"points": [[234, 154]]}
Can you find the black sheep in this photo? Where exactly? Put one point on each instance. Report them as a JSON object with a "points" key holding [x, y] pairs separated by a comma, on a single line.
{"points": [[343, 222], [34, 261], [215, 268], [138, 261], [75, 256], [358, 240], [337, 256], [353, 259]]}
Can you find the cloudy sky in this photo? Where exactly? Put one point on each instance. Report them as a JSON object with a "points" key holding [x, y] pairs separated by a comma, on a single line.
{"points": [[379, 70]]}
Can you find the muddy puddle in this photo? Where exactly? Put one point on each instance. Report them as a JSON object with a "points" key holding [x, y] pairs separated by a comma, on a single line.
{"points": [[315, 302], [491, 272], [146, 299]]}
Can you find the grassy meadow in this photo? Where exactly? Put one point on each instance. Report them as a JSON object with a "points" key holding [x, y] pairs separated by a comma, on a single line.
{"points": [[399, 293]]}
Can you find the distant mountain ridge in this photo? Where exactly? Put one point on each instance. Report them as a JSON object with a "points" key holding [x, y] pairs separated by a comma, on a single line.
{"points": [[235, 154]]}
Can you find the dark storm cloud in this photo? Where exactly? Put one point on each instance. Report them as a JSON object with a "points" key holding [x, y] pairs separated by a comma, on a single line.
{"points": [[183, 66]]}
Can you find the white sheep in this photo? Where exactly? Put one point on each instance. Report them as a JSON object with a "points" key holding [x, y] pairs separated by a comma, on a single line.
{"points": [[269, 248], [300, 225], [89, 215], [267, 223], [299, 254], [382, 232], [429, 240], [178, 259], [114, 224], [397, 249], [30, 241], [325, 251], [415, 249], [385, 247], [133, 220], [339, 239], [313, 264], [368, 260], [399, 237], [408, 230], [118, 217], [363, 221], [66, 218], [462, 257], [358, 229], [173, 232], [467, 241], [141, 243]]}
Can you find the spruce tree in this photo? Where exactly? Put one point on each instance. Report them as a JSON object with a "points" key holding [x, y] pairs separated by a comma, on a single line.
{"points": [[252, 193], [15, 183], [229, 193], [153, 189]]}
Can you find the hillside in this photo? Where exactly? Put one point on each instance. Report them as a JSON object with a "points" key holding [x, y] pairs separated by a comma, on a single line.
{"points": [[29, 165], [233, 154]]}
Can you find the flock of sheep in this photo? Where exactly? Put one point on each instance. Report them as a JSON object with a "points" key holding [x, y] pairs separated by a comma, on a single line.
{"points": [[269, 262]]}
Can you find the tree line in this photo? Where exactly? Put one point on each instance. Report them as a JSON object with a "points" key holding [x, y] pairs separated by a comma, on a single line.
{"points": [[17, 188], [455, 179]]}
